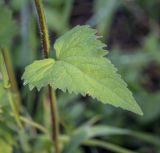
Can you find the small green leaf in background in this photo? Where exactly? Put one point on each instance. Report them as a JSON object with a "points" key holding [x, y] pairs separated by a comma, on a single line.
{"points": [[80, 67], [58, 17], [7, 26], [104, 12], [85, 135], [5, 147], [3, 96]]}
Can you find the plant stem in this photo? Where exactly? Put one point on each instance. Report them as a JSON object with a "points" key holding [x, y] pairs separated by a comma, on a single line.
{"points": [[52, 97], [5, 77], [8, 86], [54, 118], [12, 78], [43, 28], [32, 123]]}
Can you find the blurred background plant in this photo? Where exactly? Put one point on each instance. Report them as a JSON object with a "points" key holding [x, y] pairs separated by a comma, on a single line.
{"points": [[131, 29]]}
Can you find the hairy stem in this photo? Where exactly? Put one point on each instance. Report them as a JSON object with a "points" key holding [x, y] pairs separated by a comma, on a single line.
{"points": [[52, 98], [43, 28]]}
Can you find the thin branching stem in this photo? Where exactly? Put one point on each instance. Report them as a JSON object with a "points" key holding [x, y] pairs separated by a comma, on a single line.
{"points": [[52, 98]]}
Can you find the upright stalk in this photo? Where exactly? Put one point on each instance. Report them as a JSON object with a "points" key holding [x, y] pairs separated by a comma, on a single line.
{"points": [[43, 28], [54, 118], [45, 47], [8, 83], [12, 78]]}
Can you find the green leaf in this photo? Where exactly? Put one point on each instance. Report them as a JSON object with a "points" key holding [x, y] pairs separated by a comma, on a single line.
{"points": [[3, 96], [58, 17], [7, 26], [104, 11], [85, 134], [80, 67], [108, 146], [5, 147]]}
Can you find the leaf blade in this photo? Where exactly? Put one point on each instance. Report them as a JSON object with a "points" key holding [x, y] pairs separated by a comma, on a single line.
{"points": [[81, 67]]}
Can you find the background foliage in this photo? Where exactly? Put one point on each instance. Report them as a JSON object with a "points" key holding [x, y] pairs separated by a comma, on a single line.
{"points": [[131, 30]]}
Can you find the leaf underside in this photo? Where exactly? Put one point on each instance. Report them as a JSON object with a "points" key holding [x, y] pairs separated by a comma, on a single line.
{"points": [[80, 67]]}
